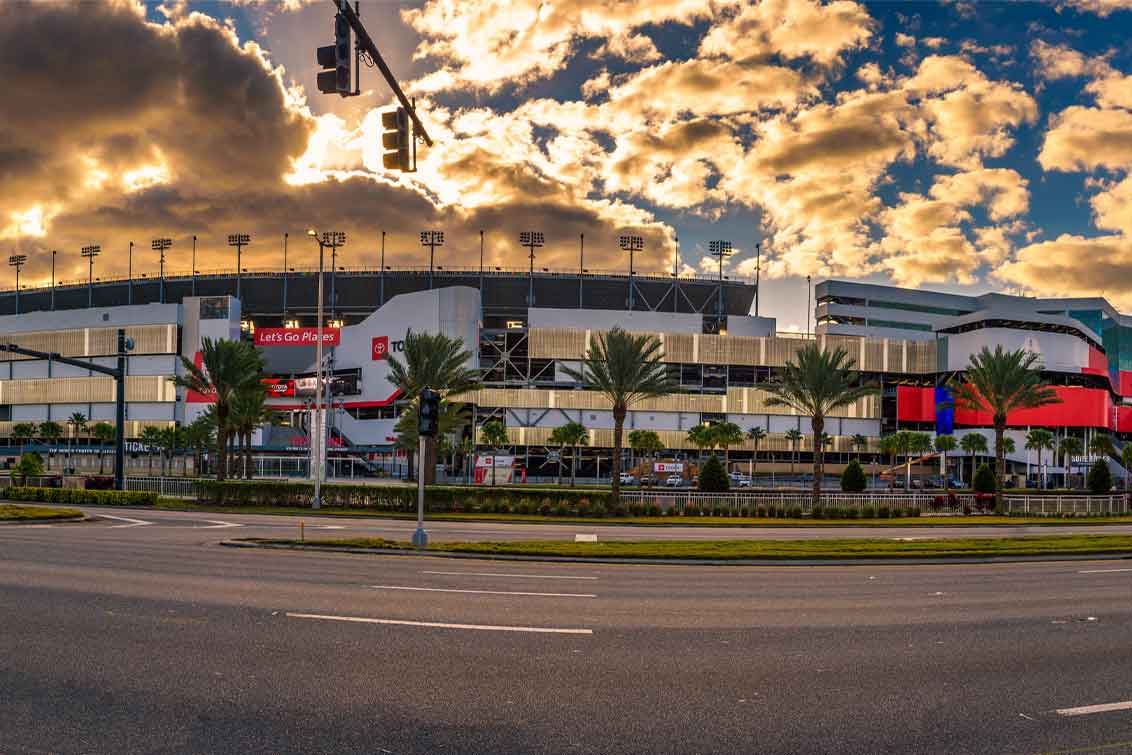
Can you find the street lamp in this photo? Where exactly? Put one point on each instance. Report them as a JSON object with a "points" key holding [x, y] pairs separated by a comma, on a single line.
{"points": [[90, 252], [431, 239], [318, 439], [721, 250], [130, 275], [238, 240], [159, 246], [17, 261], [53, 253], [631, 244], [194, 270], [532, 240]]}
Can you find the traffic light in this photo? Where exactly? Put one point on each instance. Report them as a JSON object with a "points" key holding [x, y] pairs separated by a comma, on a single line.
{"points": [[335, 59], [395, 139], [428, 413]]}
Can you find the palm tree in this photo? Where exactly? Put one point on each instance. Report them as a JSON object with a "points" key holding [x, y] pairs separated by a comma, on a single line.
{"points": [[646, 443], [1069, 447], [702, 436], [50, 431], [1101, 445], [795, 437], [436, 361], [1000, 382], [1008, 446], [167, 442], [1039, 439], [1126, 462], [103, 433], [494, 434], [22, 432], [250, 411], [756, 435], [859, 443], [945, 444], [818, 383], [918, 445], [151, 439], [574, 434], [78, 423], [625, 368], [226, 369], [727, 434], [199, 436], [890, 445], [973, 444]]}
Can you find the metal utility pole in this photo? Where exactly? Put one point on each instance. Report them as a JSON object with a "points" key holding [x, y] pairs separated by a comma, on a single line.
{"points": [[130, 275], [239, 240], [581, 266], [285, 275], [676, 278], [119, 375], [808, 308], [758, 269], [194, 277], [381, 274], [17, 261], [631, 244], [159, 246], [333, 277], [53, 253], [90, 252], [431, 239], [721, 250], [482, 304], [318, 426], [532, 240]]}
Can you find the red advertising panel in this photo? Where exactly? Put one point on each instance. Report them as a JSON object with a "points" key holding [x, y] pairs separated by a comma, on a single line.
{"points": [[1079, 407], [296, 337], [380, 348], [279, 387]]}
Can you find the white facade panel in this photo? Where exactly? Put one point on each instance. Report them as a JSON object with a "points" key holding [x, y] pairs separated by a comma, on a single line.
{"points": [[1058, 352], [598, 319]]}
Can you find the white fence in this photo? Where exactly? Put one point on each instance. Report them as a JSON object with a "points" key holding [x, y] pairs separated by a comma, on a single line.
{"points": [[925, 502], [170, 487]]}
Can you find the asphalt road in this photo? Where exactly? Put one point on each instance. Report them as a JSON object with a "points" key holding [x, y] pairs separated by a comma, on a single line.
{"points": [[124, 637]]}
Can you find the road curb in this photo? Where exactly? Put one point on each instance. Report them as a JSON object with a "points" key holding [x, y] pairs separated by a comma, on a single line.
{"points": [[892, 560], [55, 520]]}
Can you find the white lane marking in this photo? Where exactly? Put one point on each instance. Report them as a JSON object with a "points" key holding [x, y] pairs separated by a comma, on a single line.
{"points": [[504, 574], [133, 522], [585, 538], [216, 524], [440, 624], [1101, 571], [328, 527], [485, 592], [1089, 709]]}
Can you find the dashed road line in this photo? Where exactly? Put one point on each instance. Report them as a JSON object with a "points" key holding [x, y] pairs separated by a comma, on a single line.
{"points": [[1102, 571], [439, 624], [484, 592], [1087, 710], [505, 574]]}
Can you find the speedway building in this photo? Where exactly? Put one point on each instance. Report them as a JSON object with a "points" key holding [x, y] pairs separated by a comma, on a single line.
{"points": [[524, 329]]}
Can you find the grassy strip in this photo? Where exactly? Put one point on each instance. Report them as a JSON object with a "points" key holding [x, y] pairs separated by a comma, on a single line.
{"points": [[1043, 545], [176, 504], [13, 513]]}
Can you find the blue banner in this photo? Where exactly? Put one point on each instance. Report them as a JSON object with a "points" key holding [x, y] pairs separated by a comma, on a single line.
{"points": [[944, 411]]}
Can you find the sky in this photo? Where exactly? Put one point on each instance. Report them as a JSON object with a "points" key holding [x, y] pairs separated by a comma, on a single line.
{"points": [[954, 145]]}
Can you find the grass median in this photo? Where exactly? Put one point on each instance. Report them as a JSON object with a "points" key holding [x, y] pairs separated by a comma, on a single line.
{"points": [[10, 512], [174, 504], [785, 550]]}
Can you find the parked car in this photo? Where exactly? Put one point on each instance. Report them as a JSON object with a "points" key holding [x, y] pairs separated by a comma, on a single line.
{"points": [[739, 480], [674, 481], [628, 479]]}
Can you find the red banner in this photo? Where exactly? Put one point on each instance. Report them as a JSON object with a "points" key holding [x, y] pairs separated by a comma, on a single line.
{"points": [[279, 387], [296, 337]]}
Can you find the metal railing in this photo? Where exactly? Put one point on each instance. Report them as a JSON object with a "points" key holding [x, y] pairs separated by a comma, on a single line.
{"points": [[734, 503], [170, 487]]}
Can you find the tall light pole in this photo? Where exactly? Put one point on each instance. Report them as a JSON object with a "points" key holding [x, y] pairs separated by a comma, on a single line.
{"points": [[721, 250], [194, 276], [90, 252], [17, 261], [381, 274], [676, 279], [758, 270], [285, 275], [631, 244], [808, 308], [130, 275], [159, 246], [532, 240], [318, 439], [431, 239], [239, 240], [581, 266], [53, 253]]}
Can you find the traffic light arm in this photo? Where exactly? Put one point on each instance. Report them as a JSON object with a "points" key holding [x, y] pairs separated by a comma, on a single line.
{"points": [[366, 43], [80, 363]]}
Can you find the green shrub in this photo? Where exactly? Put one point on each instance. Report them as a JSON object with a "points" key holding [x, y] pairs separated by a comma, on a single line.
{"points": [[818, 513], [81, 497], [884, 512], [561, 510], [984, 479], [853, 479], [796, 512], [712, 477], [654, 510], [29, 465], [1100, 479]]}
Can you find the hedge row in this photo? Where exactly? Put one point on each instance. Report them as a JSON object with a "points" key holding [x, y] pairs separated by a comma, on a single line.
{"points": [[78, 496], [440, 498]]}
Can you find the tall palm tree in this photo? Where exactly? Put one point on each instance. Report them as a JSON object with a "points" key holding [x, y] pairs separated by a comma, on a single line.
{"points": [[944, 444], [727, 434], [890, 445], [226, 369], [103, 433], [625, 368], [645, 442], [1101, 445], [818, 383], [436, 361], [756, 435], [493, 433], [795, 437], [151, 438], [1000, 382], [169, 439], [859, 443], [702, 437], [574, 434], [199, 435], [468, 450], [1126, 462], [1039, 439], [1069, 447], [918, 445], [973, 444], [50, 431], [78, 424], [23, 432], [250, 411]]}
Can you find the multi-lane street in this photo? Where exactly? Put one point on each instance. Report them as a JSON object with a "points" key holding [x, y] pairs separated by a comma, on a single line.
{"points": [[142, 634]]}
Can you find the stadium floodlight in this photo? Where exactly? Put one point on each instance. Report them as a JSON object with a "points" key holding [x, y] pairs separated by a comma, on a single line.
{"points": [[238, 240], [721, 250], [159, 246], [90, 252], [631, 244], [17, 261], [431, 239], [532, 240]]}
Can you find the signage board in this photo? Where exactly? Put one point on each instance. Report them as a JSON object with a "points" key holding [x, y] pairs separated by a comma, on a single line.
{"points": [[296, 337], [676, 467]]}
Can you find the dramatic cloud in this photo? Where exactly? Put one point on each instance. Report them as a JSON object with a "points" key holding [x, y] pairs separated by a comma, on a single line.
{"points": [[792, 29]]}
